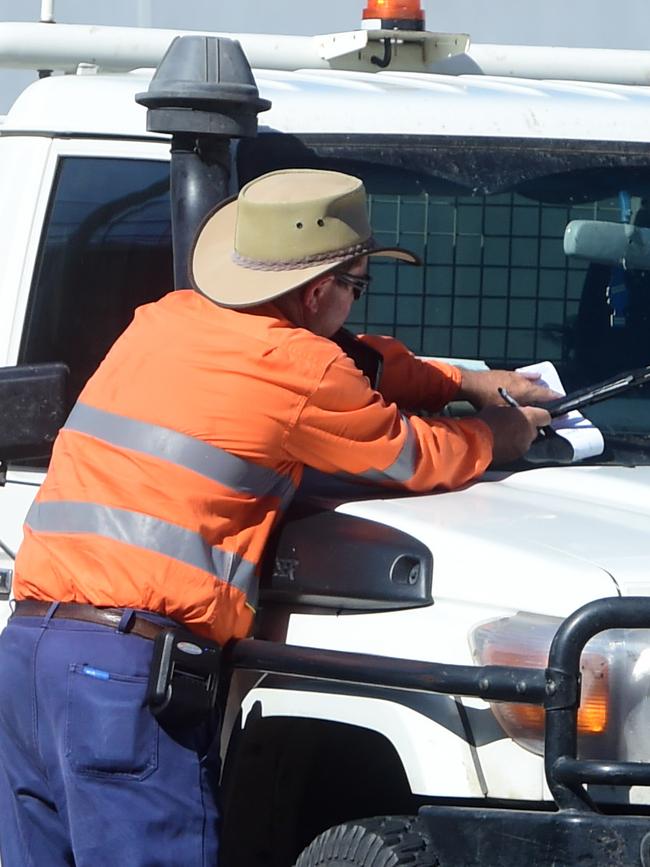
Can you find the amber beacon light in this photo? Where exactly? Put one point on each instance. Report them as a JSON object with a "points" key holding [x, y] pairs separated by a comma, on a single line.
{"points": [[394, 14]]}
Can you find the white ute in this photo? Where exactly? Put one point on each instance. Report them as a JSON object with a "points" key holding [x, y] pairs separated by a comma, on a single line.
{"points": [[437, 612]]}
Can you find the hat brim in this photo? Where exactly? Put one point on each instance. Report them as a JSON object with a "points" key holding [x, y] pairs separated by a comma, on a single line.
{"points": [[218, 276]]}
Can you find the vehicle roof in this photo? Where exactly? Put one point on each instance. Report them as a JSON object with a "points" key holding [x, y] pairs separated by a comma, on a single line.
{"points": [[333, 101]]}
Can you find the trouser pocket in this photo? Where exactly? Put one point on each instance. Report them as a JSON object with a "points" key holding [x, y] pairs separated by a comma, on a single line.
{"points": [[110, 731]]}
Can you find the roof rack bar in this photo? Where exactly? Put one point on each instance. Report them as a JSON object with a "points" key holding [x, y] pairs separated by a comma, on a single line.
{"points": [[30, 45], [604, 65]]}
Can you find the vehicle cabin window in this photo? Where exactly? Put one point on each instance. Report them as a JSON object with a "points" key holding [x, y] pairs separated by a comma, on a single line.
{"points": [[487, 217], [106, 250], [495, 285]]}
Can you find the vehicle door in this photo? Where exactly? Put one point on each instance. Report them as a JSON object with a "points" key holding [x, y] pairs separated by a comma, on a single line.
{"points": [[90, 240]]}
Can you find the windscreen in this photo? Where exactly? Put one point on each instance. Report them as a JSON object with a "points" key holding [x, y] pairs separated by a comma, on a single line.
{"points": [[488, 217]]}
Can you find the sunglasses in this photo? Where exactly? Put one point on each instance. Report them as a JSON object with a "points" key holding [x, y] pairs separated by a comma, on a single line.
{"points": [[359, 285]]}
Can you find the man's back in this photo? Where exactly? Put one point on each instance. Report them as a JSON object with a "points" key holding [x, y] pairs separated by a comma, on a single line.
{"points": [[175, 449]]}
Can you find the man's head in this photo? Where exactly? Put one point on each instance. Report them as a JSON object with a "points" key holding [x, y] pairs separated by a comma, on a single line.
{"points": [[294, 229], [323, 304]]}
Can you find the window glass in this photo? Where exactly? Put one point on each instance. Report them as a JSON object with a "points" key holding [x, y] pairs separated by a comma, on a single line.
{"points": [[488, 218], [495, 285], [106, 250]]}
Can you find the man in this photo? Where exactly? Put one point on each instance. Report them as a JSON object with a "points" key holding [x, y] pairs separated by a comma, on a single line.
{"points": [[181, 454]]}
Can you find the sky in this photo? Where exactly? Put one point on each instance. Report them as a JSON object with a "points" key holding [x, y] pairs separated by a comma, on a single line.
{"points": [[583, 23]]}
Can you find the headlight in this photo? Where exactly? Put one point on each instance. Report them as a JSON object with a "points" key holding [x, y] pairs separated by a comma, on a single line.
{"points": [[614, 714]]}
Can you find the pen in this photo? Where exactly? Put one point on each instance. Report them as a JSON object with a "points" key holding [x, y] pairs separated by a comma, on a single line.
{"points": [[547, 430], [509, 399]]}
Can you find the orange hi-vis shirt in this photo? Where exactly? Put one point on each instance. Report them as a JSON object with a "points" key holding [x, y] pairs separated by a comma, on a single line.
{"points": [[189, 441]]}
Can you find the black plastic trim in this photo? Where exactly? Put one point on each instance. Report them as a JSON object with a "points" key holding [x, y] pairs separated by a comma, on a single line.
{"points": [[476, 726], [326, 559], [564, 772], [492, 682], [482, 164], [476, 837], [68, 135], [32, 409]]}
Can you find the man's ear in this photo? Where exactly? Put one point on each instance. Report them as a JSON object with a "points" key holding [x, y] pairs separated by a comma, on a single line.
{"points": [[312, 294]]}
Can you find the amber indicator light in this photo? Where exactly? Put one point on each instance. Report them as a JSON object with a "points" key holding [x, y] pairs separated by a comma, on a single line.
{"points": [[593, 712], [395, 10]]}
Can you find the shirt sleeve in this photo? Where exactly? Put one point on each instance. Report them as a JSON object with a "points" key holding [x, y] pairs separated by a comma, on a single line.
{"points": [[409, 381], [344, 427]]}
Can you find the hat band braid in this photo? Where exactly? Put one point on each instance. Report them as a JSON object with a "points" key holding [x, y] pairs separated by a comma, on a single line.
{"points": [[305, 261]]}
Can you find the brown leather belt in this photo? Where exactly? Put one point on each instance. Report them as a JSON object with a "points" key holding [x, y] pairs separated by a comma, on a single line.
{"points": [[137, 625]]}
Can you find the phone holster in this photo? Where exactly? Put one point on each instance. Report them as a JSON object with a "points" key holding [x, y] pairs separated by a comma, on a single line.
{"points": [[184, 678]]}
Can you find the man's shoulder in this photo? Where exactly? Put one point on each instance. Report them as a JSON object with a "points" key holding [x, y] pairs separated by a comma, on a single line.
{"points": [[311, 352], [263, 334], [300, 341]]}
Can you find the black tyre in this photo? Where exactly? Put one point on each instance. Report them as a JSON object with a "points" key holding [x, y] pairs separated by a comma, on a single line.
{"points": [[389, 841]]}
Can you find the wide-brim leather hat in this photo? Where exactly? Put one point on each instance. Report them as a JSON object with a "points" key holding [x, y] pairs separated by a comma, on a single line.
{"points": [[283, 230]]}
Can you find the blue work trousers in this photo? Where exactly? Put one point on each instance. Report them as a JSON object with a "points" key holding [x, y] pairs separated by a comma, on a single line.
{"points": [[87, 775]]}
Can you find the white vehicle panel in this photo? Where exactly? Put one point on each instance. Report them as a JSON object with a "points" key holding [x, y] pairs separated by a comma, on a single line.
{"points": [[541, 540], [407, 103], [85, 104], [436, 633], [512, 773], [435, 760], [24, 200], [439, 633], [538, 541], [460, 106]]}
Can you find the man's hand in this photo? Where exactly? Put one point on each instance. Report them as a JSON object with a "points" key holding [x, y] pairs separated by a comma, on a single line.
{"points": [[514, 430], [479, 387]]}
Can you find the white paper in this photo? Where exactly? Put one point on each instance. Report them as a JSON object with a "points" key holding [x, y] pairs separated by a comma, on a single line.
{"points": [[585, 438]]}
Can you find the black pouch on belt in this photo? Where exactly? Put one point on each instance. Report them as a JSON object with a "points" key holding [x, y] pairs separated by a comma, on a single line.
{"points": [[184, 678]]}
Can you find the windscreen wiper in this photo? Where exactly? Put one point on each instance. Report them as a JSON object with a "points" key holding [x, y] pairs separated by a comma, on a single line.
{"points": [[618, 384]]}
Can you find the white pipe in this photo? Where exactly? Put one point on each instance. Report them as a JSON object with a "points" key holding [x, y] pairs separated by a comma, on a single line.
{"points": [[606, 65], [63, 47], [47, 11]]}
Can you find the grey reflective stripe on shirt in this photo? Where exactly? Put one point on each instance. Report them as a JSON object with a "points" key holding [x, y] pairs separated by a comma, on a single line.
{"points": [[144, 531], [400, 470], [186, 451]]}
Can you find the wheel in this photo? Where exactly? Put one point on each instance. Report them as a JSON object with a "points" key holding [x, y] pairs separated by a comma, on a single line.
{"points": [[388, 841]]}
